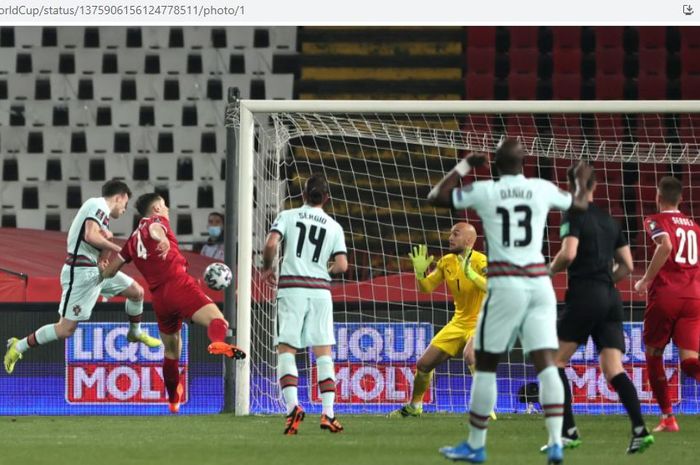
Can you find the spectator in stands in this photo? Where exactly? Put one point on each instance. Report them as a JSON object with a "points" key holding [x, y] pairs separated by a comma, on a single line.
{"points": [[214, 247]]}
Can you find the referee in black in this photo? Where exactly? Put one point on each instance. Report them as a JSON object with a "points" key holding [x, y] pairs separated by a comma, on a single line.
{"points": [[597, 256]]}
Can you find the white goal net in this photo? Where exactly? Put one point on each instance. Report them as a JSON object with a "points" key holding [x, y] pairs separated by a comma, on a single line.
{"points": [[380, 166]]}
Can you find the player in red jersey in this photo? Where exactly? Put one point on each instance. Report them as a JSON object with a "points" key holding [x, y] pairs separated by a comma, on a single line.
{"points": [[673, 283], [176, 295]]}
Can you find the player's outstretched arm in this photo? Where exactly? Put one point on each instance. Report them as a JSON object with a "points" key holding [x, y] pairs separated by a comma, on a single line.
{"points": [[269, 254], [441, 194], [112, 267], [157, 232], [93, 235], [624, 265], [565, 256], [663, 250]]}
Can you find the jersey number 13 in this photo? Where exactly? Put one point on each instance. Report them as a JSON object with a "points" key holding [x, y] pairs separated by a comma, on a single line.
{"points": [[524, 215]]}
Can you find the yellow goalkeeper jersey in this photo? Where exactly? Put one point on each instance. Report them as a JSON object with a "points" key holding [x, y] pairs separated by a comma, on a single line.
{"points": [[467, 295]]}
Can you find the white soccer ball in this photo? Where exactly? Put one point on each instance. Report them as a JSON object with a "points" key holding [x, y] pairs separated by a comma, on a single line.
{"points": [[218, 276]]}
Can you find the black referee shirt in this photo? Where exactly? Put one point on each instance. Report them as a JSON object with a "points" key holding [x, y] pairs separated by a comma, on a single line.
{"points": [[599, 237]]}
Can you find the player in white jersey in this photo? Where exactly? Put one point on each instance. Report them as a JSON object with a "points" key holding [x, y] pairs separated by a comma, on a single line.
{"points": [[521, 300], [304, 304], [88, 244]]}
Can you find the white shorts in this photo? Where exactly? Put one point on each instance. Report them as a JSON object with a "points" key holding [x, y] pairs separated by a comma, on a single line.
{"points": [[526, 310], [81, 293], [304, 321]]}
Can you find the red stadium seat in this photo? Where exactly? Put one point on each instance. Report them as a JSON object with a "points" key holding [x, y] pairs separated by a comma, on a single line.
{"points": [[522, 86], [651, 87], [523, 60], [481, 36], [652, 61], [609, 36], [523, 37], [481, 60], [690, 37], [566, 61], [609, 86], [690, 86], [479, 124], [652, 37], [566, 86], [565, 126], [689, 61], [689, 129], [521, 126], [479, 86], [609, 60], [566, 37], [610, 127], [650, 129]]}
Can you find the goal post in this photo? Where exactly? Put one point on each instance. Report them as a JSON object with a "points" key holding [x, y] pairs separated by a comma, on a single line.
{"points": [[391, 153]]}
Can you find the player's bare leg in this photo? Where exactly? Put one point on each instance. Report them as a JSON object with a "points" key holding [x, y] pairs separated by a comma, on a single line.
{"points": [[325, 374], [659, 386], [47, 333], [425, 366], [134, 309], [570, 437], [611, 366], [211, 317], [171, 370], [288, 377], [483, 399]]}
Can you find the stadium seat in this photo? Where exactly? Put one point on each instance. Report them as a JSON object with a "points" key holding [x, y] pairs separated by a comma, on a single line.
{"points": [[481, 60], [566, 37], [89, 61], [118, 165], [206, 167], [210, 112], [609, 60], [652, 37], [650, 129], [651, 87], [652, 61], [70, 36], [566, 61], [125, 114], [27, 37], [565, 126], [281, 38], [479, 86], [279, 86], [690, 86], [522, 86], [689, 61], [610, 127], [168, 113], [31, 219], [566, 87], [107, 87], [689, 128], [609, 86], [481, 37], [609, 36], [8, 60], [155, 37], [52, 195], [523, 61], [258, 61], [197, 37], [163, 167], [523, 37]]}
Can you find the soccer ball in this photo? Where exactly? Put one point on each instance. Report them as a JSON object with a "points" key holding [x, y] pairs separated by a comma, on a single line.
{"points": [[218, 276]]}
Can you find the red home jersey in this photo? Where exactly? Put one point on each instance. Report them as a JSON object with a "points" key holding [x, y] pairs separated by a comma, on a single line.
{"points": [[141, 248], [679, 275]]}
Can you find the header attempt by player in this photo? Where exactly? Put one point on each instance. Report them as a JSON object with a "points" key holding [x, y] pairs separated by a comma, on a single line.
{"points": [[521, 300]]}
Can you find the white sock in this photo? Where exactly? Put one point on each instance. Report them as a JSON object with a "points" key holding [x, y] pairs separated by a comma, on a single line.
{"points": [[552, 401], [134, 309], [288, 375], [43, 335], [325, 373], [483, 399]]}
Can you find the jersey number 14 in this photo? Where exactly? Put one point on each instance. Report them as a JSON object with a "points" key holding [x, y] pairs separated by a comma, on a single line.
{"points": [[316, 237]]}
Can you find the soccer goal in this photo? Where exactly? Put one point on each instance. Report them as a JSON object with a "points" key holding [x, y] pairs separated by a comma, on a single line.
{"points": [[381, 159]]}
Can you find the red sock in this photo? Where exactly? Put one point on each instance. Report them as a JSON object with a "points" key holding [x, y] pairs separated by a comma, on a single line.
{"points": [[691, 367], [658, 382], [171, 376], [217, 330]]}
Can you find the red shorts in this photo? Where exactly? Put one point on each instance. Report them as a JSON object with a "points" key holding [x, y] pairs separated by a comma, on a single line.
{"points": [[671, 317], [177, 300]]}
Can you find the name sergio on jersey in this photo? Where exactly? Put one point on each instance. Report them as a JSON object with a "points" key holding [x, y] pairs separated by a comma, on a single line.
{"points": [[515, 193], [312, 217]]}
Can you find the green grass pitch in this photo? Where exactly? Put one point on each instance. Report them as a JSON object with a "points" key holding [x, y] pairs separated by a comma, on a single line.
{"points": [[229, 440]]}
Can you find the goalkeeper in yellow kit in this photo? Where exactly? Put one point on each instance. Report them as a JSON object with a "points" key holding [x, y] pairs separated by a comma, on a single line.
{"points": [[464, 272]]}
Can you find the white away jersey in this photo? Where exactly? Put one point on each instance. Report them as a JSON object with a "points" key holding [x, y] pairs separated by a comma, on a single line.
{"points": [[93, 209], [514, 212], [311, 239]]}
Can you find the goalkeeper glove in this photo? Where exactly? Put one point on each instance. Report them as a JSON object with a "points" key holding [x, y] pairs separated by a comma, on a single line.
{"points": [[473, 276], [420, 260]]}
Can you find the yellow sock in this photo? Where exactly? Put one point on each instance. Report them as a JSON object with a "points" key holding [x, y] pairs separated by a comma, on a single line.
{"points": [[421, 383]]}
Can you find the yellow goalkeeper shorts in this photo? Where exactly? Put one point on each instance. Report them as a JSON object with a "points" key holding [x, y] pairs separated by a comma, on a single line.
{"points": [[453, 337]]}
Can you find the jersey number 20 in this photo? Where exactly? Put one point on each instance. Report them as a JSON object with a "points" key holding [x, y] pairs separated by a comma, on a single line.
{"points": [[316, 240], [524, 222], [687, 247]]}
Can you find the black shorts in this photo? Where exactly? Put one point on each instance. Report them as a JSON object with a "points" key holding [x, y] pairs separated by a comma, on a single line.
{"points": [[593, 308]]}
